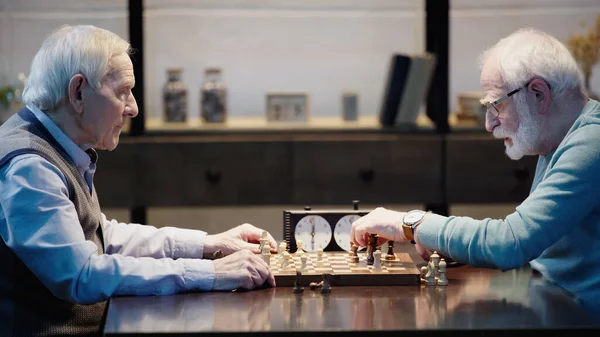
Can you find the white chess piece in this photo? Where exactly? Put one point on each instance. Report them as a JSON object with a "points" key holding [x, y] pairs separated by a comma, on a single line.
{"points": [[303, 259], [266, 254], [264, 240], [377, 262], [442, 279], [320, 257], [430, 276], [299, 245], [435, 259], [285, 261]]}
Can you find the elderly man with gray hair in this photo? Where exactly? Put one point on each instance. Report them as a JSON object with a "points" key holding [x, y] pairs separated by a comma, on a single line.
{"points": [[536, 104], [60, 257]]}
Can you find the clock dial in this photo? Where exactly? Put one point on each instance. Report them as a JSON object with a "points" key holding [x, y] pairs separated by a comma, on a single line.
{"points": [[314, 231], [342, 230]]}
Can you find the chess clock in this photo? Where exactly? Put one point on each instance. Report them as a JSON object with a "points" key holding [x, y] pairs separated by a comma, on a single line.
{"points": [[327, 229]]}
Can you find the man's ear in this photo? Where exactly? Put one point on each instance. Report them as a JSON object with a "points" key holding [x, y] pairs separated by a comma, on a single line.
{"points": [[77, 84], [541, 90]]}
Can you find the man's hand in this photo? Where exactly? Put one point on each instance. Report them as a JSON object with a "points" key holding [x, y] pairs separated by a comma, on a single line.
{"points": [[241, 237], [383, 222], [241, 270]]}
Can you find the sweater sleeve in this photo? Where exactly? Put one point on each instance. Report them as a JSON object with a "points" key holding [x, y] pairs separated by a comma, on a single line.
{"points": [[566, 194]]}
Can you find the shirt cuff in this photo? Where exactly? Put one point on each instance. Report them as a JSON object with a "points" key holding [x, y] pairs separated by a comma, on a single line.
{"points": [[427, 234], [189, 244], [199, 275]]}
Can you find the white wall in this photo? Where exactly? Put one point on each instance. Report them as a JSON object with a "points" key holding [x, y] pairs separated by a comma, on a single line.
{"points": [[318, 46]]}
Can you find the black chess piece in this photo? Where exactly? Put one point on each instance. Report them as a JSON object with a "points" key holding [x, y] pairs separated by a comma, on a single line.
{"points": [[298, 289], [326, 287], [390, 253], [372, 248]]}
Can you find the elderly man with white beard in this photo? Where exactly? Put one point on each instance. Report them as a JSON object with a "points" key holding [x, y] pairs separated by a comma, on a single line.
{"points": [[536, 103]]}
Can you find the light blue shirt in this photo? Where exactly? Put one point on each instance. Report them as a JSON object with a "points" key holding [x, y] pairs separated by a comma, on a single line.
{"points": [[556, 229], [38, 219]]}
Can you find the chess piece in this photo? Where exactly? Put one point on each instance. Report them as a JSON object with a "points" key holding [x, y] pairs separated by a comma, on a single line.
{"points": [[372, 248], [390, 256], [435, 259], [320, 258], [430, 275], [298, 289], [285, 261], [326, 287], [354, 254], [316, 285], [266, 254], [299, 245], [442, 279], [377, 260], [424, 270], [264, 240], [303, 259]]}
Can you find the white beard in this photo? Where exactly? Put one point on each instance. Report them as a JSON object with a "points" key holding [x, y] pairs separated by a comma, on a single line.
{"points": [[524, 141]]}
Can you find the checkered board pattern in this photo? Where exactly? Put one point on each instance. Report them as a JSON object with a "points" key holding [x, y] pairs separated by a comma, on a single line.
{"points": [[401, 271]]}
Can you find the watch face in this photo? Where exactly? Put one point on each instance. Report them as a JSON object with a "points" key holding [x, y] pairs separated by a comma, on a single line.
{"points": [[412, 217]]}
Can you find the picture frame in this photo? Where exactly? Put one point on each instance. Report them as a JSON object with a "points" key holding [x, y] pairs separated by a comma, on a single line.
{"points": [[287, 106]]}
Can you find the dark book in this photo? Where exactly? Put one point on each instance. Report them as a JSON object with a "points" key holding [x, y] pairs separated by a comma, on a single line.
{"points": [[396, 81]]}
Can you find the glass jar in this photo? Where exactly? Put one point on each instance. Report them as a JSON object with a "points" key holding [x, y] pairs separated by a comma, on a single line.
{"points": [[213, 97], [175, 96]]}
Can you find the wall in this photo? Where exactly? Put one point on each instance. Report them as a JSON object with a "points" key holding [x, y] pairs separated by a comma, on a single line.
{"points": [[318, 46]]}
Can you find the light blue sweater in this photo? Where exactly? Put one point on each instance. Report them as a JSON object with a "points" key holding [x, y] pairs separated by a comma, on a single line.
{"points": [[556, 229]]}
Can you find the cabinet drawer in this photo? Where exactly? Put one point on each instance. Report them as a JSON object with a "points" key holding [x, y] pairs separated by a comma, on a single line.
{"points": [[375, 172], [480, 171], [207, 173]]}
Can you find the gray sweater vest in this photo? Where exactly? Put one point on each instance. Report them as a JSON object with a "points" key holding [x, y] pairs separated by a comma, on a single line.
{"points": [[27, 307]]}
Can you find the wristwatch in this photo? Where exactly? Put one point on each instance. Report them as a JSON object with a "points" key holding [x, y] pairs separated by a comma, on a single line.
{"points": [[410, 221]]}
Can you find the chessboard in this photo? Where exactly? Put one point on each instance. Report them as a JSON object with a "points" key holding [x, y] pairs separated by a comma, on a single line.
{"points": [[343, 272]]}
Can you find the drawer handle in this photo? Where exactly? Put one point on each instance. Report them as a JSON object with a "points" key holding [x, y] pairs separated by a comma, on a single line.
{"points": [[366, 175], [213, 175]]}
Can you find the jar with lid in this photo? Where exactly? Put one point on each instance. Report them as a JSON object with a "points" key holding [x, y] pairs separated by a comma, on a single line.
{"points": [[175, 96], [213, 97]]}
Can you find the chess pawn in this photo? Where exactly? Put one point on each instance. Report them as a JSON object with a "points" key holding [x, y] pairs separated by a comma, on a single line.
{"points": [[377, 260], [303, 260], [435, 259], [266, 254], [390, 256], [298, 289], [442, 279], [285, 259], [299, 245], [320, 257], [326, 287]]}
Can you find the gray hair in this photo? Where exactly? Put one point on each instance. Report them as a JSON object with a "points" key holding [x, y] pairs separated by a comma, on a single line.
{"points": [[66, 52], [528, 53]]}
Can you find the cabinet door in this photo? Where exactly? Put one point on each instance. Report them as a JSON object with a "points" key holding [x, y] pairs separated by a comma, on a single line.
{"points": [[480, 172], [404, 170], [115, 176], [213, 173]]}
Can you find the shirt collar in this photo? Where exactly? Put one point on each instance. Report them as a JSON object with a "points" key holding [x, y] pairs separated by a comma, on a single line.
{"points": [[79, 156]]}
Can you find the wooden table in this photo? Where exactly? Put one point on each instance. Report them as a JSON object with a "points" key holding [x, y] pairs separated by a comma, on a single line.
{"points": [[476, 301]]}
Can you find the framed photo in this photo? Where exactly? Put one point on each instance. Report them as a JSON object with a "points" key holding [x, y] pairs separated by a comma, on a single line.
{"points": [[287, 106]]}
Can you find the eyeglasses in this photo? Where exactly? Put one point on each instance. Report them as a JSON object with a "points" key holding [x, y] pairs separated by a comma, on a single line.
{"points": [[491, 107]]}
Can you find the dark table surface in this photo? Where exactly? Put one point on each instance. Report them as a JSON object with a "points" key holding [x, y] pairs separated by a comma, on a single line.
{"points": [[475, 301]]}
